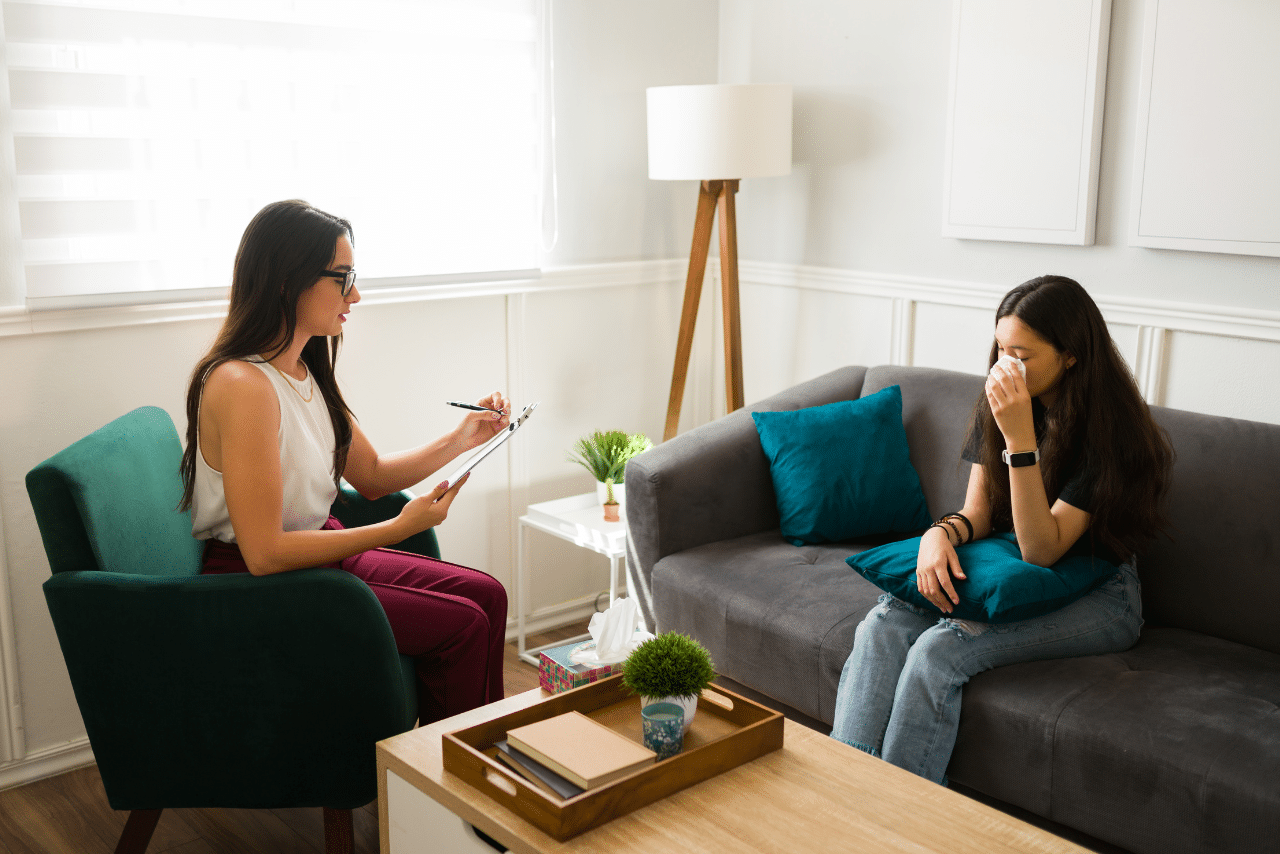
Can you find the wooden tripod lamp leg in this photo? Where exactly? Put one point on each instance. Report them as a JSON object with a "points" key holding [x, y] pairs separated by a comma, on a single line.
{"points": [[707, 195], [729, 299]]}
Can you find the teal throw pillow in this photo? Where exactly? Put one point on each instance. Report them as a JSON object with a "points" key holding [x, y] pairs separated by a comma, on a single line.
{"points": [[1000, 588], [843, 470]]}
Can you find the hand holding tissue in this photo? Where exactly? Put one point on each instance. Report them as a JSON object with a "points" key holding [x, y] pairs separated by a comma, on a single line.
{"points": [[615, 634], [1009, 364]]}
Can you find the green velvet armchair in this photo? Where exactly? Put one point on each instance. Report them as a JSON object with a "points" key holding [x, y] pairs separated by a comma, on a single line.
{"points": [[219, 690]]}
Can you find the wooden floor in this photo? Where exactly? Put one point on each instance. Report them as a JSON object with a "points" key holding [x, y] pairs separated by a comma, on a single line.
{"points": [[69, 813]]}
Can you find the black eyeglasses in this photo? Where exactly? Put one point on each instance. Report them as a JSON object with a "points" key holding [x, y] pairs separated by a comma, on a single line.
{"points": [[348, 279]]}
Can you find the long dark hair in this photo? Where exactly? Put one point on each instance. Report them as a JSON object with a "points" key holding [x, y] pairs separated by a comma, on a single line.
{"points": [[282, 253], [1098, 423]]}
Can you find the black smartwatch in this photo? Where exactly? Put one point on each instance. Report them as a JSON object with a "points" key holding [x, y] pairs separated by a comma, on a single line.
{"points": [[1020, 459]]}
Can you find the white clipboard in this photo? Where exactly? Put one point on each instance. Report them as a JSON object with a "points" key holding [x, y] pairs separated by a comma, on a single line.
{"points": [[493, 444]]}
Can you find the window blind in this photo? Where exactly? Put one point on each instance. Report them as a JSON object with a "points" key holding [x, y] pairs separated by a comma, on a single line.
{"points": [[148, 132]]}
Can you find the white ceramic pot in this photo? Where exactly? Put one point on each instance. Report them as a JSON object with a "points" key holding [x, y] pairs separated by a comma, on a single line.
{"points": [[619, 494], [689, 703]]}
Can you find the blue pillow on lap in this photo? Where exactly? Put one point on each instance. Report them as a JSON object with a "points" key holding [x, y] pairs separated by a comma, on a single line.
{"points": [[843, 470], [1001, 587]]}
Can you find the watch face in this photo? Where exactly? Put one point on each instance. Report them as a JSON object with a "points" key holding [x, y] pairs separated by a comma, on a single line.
{"points": [[1022, 458]]}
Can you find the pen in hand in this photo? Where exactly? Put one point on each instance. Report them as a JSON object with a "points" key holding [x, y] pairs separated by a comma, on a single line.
{"points": [[472, 406]]}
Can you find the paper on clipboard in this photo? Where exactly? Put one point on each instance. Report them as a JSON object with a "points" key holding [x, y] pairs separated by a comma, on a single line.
{"points": [[493, 444]]}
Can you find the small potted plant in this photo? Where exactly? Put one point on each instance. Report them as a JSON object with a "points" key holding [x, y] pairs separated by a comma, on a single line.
{"points": [[669, 668], [611, 513], [605, 453]]}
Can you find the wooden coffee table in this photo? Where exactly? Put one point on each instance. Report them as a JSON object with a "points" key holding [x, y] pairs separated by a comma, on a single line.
{"points": [[815, 794]]}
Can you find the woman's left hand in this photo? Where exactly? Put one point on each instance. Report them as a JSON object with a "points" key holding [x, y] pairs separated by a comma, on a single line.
{"points": [[479, 427], [1011, 406]]}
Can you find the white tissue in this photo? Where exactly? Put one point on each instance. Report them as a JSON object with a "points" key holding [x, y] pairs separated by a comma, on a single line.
{"points": [[1006, 359], [615, 633]]}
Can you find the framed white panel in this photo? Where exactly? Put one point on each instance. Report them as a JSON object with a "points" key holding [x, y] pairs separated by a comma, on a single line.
{"points": [[1024, 125], [953, 338], [1207, 174]]}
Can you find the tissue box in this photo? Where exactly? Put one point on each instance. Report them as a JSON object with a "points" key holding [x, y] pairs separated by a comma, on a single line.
{"points": [[556, 673]]}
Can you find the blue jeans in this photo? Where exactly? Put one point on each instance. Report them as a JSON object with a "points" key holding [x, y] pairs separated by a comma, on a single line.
{"points": [[900, 691]]}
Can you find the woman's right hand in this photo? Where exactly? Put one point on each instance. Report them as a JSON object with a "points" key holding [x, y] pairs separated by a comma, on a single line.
{"points": [[427, 511], [936, 563]]}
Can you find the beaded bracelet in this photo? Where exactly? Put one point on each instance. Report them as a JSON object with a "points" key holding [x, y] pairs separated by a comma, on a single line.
{"points": [[947, 526], [966, 521]]}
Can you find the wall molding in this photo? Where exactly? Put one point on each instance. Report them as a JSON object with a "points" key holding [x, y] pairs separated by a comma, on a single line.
{"points": [[47, 762], [12, 724], [19, 320], [1156, 314], [1237, 322], [1150, 368]]}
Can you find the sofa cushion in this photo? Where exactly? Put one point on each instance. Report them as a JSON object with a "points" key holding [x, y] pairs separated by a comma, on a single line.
{"points": [[998, 587], [1171, 746], [842, 470], [776, 617]]}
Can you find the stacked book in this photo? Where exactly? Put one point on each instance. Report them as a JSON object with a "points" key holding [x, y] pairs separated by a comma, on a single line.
{"points": [[568, 754]]}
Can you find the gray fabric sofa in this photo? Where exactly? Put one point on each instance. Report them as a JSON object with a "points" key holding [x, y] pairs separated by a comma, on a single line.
{"points": [[1172, 746]]}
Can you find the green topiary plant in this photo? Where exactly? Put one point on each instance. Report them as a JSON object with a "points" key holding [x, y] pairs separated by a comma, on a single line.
{"points": [[669, 665], [605, 453]]}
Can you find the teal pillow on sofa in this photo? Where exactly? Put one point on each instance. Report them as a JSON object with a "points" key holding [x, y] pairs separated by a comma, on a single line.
{"points": [[843, 470], [1000, 588]]}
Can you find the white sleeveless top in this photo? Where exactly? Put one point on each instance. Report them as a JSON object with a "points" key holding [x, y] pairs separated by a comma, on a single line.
{"points": [[306, 464]]}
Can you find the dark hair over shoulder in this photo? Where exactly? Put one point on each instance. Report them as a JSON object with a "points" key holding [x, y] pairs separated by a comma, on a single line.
{"points": [[282, 253], [1098, 421]]}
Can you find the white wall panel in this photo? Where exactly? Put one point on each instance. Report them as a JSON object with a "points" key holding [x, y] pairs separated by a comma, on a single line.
{"points": [[398, 366], [1206, 173], [58, 388], [953, 338], [1024, 123], [1126, 338], [597, 359], [1215, 374], [793, 335]]}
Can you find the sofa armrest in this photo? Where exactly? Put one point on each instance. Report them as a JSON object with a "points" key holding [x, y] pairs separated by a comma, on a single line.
{"points": [[263, 684], [712, 483]]}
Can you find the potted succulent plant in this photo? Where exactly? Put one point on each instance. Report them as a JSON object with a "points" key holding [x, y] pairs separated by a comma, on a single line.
{"points": [[605, 453], [669, 668]]}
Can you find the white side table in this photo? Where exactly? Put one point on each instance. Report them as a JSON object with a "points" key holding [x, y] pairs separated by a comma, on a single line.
{"points": [[578, 519]]}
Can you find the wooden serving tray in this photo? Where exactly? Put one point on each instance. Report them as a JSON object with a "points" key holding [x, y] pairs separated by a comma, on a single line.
{"points": [[727, 731]]}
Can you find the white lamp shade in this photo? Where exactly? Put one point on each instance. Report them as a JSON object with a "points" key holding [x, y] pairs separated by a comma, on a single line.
{"points": [[712, 133]]}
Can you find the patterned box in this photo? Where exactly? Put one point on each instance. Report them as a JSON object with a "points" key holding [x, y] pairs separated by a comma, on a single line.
{"points": [[556, 673]]}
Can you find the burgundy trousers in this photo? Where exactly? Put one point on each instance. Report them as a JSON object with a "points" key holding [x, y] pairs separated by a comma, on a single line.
{"points": [[451, 619]]}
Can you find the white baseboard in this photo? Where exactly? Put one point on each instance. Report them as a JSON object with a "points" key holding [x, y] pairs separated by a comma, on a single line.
{"points": [[554, 616], [47, 762]]}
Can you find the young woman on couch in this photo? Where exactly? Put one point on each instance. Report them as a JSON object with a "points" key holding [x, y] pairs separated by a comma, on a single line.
{"points": [[1071, 460], [269, 436]]}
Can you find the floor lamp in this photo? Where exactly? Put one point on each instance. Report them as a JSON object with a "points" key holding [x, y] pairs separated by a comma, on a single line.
{"points": [[716, 135]]}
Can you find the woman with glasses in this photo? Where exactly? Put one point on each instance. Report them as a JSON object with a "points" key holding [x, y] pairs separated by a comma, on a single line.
{"points": [[269, 437]]}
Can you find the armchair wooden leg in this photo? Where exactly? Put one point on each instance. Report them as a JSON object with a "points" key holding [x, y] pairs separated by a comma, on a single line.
{"points": [[339, 836], [136, 835]]}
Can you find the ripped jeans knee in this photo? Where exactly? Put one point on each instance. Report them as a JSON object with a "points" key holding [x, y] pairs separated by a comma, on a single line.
{"points": [[966, 629], [889, 602]]}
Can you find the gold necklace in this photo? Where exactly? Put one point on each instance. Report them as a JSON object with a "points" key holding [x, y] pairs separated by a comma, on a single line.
{"points": [[306, 399]]}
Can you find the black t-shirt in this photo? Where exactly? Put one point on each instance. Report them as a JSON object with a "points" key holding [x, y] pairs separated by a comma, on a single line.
{"points": [[1077, 491]]}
